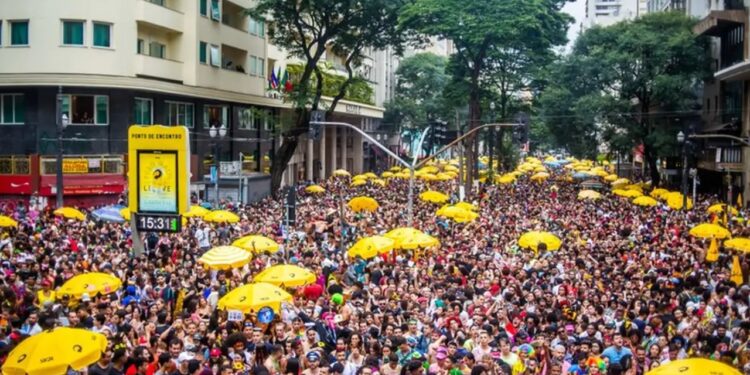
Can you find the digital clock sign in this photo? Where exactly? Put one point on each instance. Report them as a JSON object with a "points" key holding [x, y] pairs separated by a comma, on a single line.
{"points": [[158, 223]]}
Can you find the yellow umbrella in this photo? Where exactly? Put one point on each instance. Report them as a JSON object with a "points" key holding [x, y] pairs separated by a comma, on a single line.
{"points": [[221, 216], [674, 201], [658, 193], [589, 194], [466, 206], [55, 351], [70, 213], [196, 211], [363, 203], [620, 181], [458, 214], [359, 182], [371, 175], [378, 181], [610, 178], [635, 187], [315, 189], [739, 243], [125, 213], [387, 174], [256, 244], [395, 169], [410, 238], [627, 193], [444, 176], [694, 366], [531, 240], [707, 230], [369, 247], [541, 176], [6, 221], [450, 168], [286, 276], [719, 209], [433, 196], [225, 257], [253, 297], [506, 179], [360, 177], [341, 172], [645, 201], [91, 283]]}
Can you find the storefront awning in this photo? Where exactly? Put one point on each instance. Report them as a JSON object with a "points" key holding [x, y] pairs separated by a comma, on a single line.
{"points": [[718, 21]]}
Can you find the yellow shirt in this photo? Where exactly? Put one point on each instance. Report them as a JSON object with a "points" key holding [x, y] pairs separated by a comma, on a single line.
{"points": [[40, 295]]}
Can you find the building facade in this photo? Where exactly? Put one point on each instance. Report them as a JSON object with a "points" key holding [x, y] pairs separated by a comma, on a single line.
{"points": [[108, 64], [608, 12]]}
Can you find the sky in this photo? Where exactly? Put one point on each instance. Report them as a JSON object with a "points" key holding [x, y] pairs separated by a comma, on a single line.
{"points": [[576, 9]]}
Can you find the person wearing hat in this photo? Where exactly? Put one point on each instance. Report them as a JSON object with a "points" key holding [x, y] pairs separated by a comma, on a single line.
{"points": [[313, 363]]}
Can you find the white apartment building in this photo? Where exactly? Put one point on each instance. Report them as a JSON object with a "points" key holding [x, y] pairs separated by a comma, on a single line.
{"points": [[608, 12], [113, 63]]}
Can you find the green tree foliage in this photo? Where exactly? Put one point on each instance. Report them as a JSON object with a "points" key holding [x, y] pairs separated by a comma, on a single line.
{"points": [[490, 37], [420, 81], [308, 29]]}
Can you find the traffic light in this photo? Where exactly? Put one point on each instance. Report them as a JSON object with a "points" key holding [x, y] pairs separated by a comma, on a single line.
{"points": [[521, 132], [314, 131]]}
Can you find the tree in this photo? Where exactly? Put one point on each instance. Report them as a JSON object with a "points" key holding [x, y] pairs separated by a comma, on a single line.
{"points": [[308, 29], [484, 32], [646, 72]]}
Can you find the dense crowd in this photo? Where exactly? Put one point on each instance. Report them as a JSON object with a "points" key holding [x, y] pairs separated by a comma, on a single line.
{"points": [[628, 291]]}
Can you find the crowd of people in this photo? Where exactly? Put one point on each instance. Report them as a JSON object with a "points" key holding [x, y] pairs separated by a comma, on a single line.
{"points": [[629, 290]]}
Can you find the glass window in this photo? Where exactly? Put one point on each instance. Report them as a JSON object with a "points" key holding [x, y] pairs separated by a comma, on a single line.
{"points": [[157, 2], [140, 46], [102, 34], [215, 10], [143, 111], [215, 55], [260, 66], [156, 49], [86, 109], [19, 33], [73, 33], [246, 119], [257, 27], [214, 115], [204, 7], [12, 109], [202, 52], [179, 113]]}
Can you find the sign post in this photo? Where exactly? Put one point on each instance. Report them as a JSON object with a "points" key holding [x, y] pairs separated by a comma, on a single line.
{"points": [[158, 178]]}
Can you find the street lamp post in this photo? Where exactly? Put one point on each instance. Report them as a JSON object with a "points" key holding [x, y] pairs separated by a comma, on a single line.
{"points": [[62, 122], [491, 167], [217, 134], [683, 142]]}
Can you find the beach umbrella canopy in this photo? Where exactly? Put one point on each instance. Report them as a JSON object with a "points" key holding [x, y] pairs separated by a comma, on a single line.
{"points": [[466, 206], [6, 222], [225, 257], [386, 174], [370, 247], [55, 351], [739, 244], [620, 181], [91, 283], [315, 189], [359, 182], [109, 213], [674, 200], [627, 193], [253, 297], [610, 177], [363, 203], [221, 216], [710, 231], [541, 176], [458, 214], [70, 213], [410, 238], [720, 208], [506, 179], [433, 196], [645, 201], [582, 175], [694, 366], [371, 175], [658, 193], [256, 244], [378, 181], [286, 276], [589, 194], [531, 240], [196, 211], [341, 173]]}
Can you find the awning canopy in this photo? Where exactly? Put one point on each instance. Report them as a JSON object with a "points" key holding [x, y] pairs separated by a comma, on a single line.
{"points": [[719, 21]]}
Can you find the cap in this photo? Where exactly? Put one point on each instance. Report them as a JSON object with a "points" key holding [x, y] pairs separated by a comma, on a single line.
{"points": [[215, 353], [411, 341], [313, 356]]}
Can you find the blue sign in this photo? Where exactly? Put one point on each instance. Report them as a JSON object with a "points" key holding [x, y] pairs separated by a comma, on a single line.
{"points": [[213, 174], [265, 315]]}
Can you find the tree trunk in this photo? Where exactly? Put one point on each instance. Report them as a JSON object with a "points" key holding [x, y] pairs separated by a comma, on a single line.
{"points": [[471, 157], [648, 154], [281, 160]]}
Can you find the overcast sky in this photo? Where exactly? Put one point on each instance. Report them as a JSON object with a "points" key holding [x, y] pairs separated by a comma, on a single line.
{"points": [[576, 9]]}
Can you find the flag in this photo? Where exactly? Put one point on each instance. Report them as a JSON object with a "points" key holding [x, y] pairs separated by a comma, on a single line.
{"points": [[276, 78], [286, 82], [713, 251], [273, 82], [739, 200], [284, 78], [736, 271]]}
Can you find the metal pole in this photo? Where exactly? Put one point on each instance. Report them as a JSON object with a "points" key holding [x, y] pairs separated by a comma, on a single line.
{"points": [[694, 173], [684, 176], [216, 183], [59, 175], [410, 209]]}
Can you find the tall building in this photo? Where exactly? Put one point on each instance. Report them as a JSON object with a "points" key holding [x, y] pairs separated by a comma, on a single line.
{"points": [[108, 64], [608, 12], [693, 8]]}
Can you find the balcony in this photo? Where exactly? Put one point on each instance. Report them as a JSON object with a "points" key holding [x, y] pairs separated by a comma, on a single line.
{"points": [[159, 16], [718, 22], [721, 159], [154, 67]]}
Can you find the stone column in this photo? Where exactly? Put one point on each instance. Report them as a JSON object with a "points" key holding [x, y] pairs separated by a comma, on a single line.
{"points": [[344, 135], [322, 153], [332, 148], [309, 164]]}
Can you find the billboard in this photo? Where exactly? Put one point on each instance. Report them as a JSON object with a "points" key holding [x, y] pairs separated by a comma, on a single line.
{"points": [[158, 169]]}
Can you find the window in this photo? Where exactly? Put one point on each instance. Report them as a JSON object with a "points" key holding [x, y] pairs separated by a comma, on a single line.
{"points": [[179, 113], [19, 33], [268, 121], [72, 33], [204, 7], [202, 52], [140, 46], [86, 109], [257, 27], [214, 115], [157, 2], [247, 119], [12, 109], [215, 10], [143, 111], [102, 34], [257, 67], [215, 56], [156, 49]]}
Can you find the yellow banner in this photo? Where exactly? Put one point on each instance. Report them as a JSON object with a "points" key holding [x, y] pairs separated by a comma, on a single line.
{"points": [[75, 166], [157, 181]]}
